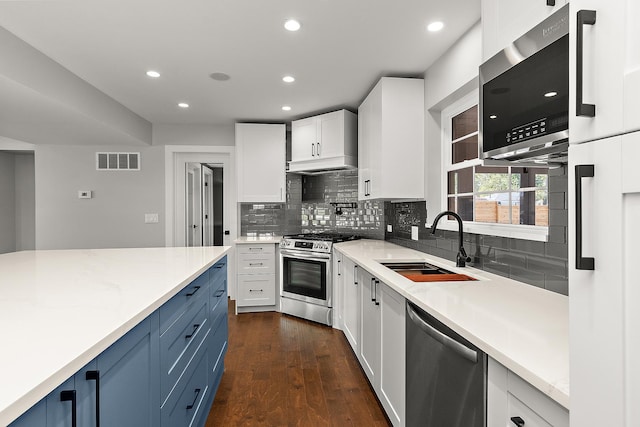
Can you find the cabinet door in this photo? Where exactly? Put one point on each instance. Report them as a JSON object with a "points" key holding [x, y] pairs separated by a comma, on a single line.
{"points": [[503, 21], [392, 357], [59, 410], [370, 321], [36, 416], [597, 296], [261, 162], [338, 284], [256, 289], [129, 378], [304, 139], [331, 134], [365, 134], [604, 53], [632, 68], [351, 305]]}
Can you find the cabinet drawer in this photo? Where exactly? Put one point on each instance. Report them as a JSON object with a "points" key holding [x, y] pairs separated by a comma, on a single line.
{"points": [[173, 309], [257, 249], [256, 264], [218, 275], [178, 344], [185, 405], [218, 345], [219, 307], [257, 289], [534, 407]]}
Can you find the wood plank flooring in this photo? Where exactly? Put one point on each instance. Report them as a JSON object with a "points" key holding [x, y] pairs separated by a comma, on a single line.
{"points": [[285, 371]]}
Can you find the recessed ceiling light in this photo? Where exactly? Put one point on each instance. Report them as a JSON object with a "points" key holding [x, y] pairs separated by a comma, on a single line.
{"points": [[153, 74], [292, 25], [286, 108], [183, 105], [221, 77], [435, 26], [288, 79], [493, 116], [550, 94]]}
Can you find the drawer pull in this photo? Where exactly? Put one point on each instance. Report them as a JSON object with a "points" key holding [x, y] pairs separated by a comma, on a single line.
{"points": [[197, 392], [255, 263], [219, 293], [70, 395], [256, 249], [517, 421], [195, 289], [95, 376], [195, 328], [256, 290], [219, 266]]}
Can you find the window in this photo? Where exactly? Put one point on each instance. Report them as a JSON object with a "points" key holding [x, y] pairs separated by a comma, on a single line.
{"points": [[485, 194]]}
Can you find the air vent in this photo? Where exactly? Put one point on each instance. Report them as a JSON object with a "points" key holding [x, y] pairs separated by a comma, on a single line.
{"points": [[118, 161]]}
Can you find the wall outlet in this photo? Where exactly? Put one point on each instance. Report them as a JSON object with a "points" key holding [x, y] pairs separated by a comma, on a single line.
{"points": [[389, 228], [84, 194], [151, 218], [414, 232]]}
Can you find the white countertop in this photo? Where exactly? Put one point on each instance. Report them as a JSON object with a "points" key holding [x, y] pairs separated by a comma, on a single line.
{"points": [[59, 309], [523, 327], [247, 240]]}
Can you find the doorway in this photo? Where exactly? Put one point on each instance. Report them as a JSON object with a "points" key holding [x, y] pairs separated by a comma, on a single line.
{"points": [[204, 204]]}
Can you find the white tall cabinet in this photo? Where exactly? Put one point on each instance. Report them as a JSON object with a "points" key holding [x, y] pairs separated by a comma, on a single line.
{"points": [[391, 141], [261, 162], [604, 210]]}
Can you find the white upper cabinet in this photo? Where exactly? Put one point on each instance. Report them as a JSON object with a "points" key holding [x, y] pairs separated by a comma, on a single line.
{"points": [[503, 21], [391, 141], [324, 142], [607, 62], [261, 162]]}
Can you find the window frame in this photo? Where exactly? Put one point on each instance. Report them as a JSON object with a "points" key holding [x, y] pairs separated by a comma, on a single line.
{"points": [[518, 231]]}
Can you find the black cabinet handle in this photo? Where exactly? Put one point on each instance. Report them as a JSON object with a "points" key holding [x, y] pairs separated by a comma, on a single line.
{"points": [[195, 289], [517, 421], [585, 17], [195, 328], [219, 293], [551, 2], [339, 268], [256, 290], [313, 148], [95, 376], [372, 291], [582, 263], [197, 392], [355, 275], [317, 149], [70, 395], [377, 301]]}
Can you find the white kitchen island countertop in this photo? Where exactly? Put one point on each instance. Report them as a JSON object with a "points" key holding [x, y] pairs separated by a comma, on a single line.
{"points": [[59, 309], [523, 327]]}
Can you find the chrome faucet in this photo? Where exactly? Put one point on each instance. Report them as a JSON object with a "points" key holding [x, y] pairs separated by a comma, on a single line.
{"points": [[461, 258]]}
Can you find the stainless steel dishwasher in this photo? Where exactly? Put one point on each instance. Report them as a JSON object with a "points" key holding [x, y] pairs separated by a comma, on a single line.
{"points": [[446, 375]]}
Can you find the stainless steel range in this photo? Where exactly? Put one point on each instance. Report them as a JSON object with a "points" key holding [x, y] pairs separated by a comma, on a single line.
{"points": [[306, 288]]}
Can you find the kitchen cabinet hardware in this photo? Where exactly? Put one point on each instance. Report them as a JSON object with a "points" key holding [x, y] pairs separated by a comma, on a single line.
{"points": [[582, 263], [195, 329], [70, 396], [317, 148], [192, 293], [355, 275], [95, 376], [255, 248], [195, 398], [375, 292], [372, 291], [219, 293], [517, 421], [585, 17], [255, 263], [339, 261], [313, 148], [256, 290], [551, 2]]}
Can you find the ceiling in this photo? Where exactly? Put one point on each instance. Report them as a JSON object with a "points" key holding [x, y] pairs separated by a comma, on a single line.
{"points": [[342, 49]]}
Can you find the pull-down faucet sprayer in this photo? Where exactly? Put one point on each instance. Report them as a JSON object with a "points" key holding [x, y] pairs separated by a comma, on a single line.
{"points": [[461, 258]]}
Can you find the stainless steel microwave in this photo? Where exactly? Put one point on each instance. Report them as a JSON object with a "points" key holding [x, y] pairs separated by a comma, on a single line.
{"points": [[524, 96]]}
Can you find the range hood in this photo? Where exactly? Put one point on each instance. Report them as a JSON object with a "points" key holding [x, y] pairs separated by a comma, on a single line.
{"points": [[321, 166]]}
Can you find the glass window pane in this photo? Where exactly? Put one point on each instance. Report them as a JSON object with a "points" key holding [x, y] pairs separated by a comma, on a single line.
{"points": [[491, 179], [113, 161], [542, 208], [451, 204], [465, 149], [542, 178], [460, 181], [508, 207], [123, 161], [486, 210], [452, 179], [133, 161], [528, 177], [464, 123], [465, 208]]}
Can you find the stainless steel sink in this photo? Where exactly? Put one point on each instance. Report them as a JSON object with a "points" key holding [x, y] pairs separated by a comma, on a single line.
{"points": [[417, 267]]}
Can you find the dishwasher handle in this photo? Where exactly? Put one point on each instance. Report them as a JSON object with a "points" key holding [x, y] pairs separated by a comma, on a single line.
{"points": [[459, 348]]}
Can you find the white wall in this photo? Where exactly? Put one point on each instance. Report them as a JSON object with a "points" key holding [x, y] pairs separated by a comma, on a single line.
{"points": [[453, 75], [114, 217], [25, 201], [167, 134], [7, 203]]}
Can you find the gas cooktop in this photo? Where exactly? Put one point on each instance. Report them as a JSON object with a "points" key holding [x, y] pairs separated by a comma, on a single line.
{"points": [[325, 237]]}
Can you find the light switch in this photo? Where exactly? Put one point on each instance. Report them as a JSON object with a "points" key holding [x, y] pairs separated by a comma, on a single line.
{"points": [[414, 232], [84, 194], [151, 218], [389, 228]]}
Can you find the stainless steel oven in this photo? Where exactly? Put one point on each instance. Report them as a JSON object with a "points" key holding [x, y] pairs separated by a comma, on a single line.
{"points": [[306, 288]]}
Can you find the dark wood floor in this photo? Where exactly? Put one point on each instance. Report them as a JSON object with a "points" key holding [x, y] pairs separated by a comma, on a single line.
{"points": [[285, 371]]}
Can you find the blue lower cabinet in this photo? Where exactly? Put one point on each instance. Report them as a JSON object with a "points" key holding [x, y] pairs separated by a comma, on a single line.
{"points": [[122, 386]]}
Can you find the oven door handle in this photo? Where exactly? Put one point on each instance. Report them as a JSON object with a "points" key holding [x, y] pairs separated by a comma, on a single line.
{"points": [[304, 255]]}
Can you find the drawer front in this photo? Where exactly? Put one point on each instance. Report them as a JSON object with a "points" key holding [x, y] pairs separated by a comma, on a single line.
{"points": [[218, 345], [219, 308], [256, 249], [178, 344], [535, 408], [173, 309], [218, 274], [256, 264], [258, 289], [185, 406]]}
